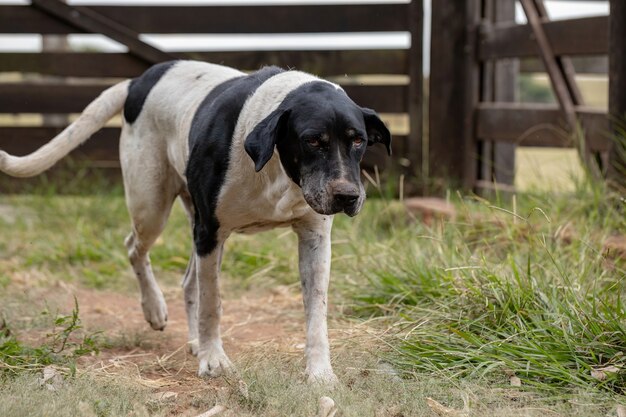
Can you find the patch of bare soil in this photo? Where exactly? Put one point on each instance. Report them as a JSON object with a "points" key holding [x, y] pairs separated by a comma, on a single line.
{"points": [[260, 323]]}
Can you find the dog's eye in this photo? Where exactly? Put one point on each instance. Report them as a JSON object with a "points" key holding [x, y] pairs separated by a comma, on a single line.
{"points": [[317, 141], [358, 141], [314, 141]]}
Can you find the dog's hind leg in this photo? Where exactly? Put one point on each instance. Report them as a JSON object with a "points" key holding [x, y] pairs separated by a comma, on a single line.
{"points": [[150, 187], [152, 300], [190, 283]]}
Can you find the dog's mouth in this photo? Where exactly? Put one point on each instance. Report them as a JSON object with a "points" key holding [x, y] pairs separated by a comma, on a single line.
{"points": [[351, 209], [329, 205]]}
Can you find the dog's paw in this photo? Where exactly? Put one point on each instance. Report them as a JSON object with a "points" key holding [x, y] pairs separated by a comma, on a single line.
{"points": [[192, 346], [322, 377], [214, 362], [155, 310]]}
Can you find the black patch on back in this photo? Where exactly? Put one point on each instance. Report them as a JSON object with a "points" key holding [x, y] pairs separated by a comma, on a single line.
{"points": [[141, 86], [210, 139]]}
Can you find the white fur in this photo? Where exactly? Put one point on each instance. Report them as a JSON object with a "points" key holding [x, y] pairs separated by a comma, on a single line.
{"points": [[153, 155]]}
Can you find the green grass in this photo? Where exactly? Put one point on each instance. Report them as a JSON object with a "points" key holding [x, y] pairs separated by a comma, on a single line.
{"points": [[504, 291], [60, 236], [63, 344]]}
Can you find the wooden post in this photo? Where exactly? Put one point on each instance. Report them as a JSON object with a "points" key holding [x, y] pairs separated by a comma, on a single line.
{"points": [[617, 93], [55, 43], [454, 91], [416, 87], [504, 89]]}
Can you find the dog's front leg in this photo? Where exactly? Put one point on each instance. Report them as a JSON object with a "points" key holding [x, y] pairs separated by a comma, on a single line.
{"points": [[314, 253], [213, 360]]}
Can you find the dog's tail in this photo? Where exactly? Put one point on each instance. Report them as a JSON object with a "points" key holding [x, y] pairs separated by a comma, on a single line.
{"points": [[92, 119]]}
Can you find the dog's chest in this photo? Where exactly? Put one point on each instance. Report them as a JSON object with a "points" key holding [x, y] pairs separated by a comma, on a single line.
{"points": [[254, 209]]}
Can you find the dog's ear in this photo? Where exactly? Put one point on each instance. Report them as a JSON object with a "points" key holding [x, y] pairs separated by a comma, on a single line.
{"points": [[259, 144], [377, 132]]}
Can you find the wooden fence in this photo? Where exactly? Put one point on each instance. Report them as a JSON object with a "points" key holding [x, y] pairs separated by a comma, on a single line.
{"points": [[477, 53], [91, 72], [475, 119]]}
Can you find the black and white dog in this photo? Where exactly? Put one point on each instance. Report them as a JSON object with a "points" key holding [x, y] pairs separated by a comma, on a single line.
{"points": [[244, 153]]}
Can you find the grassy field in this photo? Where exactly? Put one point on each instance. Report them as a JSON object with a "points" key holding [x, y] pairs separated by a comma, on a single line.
{"points": [[514, 308]]}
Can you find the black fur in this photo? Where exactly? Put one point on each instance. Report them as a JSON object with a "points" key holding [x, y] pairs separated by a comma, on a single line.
{"points": [[210, 140], [140, 87]]}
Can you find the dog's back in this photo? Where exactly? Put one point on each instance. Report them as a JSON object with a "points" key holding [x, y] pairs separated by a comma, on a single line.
{"points": [[162, 102]]}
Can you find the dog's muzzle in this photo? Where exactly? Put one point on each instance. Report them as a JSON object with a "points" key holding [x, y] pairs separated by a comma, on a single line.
{"points": [[345, 197], [334, 197]]}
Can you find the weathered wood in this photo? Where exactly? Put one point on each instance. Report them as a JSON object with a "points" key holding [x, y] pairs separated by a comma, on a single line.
{"points": [[58, 98], [382, 98], [505, 87], [54, 43], [103, 146], [485, 147], [223, 19], [584, 36], [564, 63], [73, 64], [582, 65], [92, 22], [322, 63], [617, 94], [47, 98], [471, 83], [557, 77], [538, 125], [416, 86], [499, 79], [453, 91]]}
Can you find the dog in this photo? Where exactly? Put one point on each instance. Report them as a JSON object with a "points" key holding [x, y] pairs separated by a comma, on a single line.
{"points": [[244, 153]]}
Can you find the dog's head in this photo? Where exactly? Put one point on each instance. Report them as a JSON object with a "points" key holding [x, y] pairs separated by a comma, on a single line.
{"points": [[321, 136]]}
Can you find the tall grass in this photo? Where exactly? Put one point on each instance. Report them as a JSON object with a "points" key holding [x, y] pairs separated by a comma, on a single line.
{"points": [[524, 288]]}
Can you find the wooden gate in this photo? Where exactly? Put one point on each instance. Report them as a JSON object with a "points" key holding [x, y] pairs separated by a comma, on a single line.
{"points": [[475, 121]]}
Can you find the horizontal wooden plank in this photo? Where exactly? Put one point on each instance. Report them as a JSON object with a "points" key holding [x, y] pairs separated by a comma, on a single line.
{"points": [[538, 125], [47, 98], [103, 146], [223, 19], [73, 64], [584, 36], [323, 63], [56, 98], [382, 98], [582, 65]]}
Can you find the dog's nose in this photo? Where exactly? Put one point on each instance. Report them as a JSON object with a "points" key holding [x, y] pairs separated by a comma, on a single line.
{"points": [[346, 199], [344, 193]]}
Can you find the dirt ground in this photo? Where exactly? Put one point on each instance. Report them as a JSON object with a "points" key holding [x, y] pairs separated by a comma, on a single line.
{"points": [[256, 324]]}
